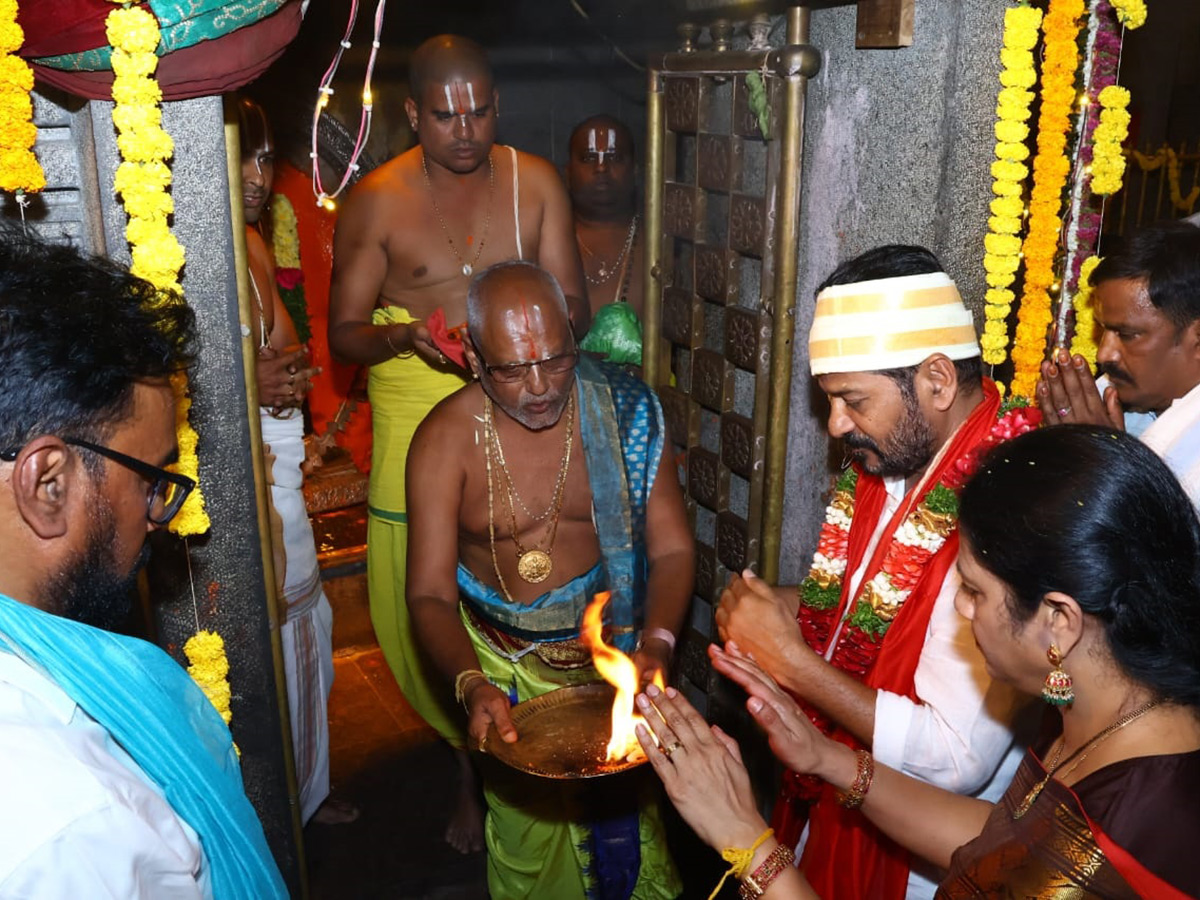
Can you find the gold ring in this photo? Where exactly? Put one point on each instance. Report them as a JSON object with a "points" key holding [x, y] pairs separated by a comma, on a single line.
{"points": [[442, 358], [667, 751]]}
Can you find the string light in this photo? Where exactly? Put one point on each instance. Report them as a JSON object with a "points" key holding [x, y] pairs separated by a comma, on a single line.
{"points": [[325, 199]]}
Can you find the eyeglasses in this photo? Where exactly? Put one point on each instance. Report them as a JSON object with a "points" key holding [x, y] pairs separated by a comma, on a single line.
{"points": [[511, 373], [168, 490]]}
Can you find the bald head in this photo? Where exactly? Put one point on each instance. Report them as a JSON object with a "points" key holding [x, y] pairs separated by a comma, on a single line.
{"points": [[446, 59], [515, 291]]}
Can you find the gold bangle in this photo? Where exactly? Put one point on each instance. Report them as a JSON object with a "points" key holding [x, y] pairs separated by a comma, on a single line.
{"points": [[387, 339], [462, 680], [853, 798], [756, 883]]}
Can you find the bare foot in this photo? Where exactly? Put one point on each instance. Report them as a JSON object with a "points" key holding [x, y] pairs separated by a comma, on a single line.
{"points": [[335, 812], [465, 831]]}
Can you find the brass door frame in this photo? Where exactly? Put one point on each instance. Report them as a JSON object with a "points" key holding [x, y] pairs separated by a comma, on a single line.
{"points": [[790, 66]]}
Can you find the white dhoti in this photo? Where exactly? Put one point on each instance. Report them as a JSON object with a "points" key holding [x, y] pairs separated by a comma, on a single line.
{"points": [[307, 631]]}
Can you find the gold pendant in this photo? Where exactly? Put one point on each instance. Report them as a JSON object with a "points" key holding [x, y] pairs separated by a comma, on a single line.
{"points": [[1030, 798], [534, 566]]}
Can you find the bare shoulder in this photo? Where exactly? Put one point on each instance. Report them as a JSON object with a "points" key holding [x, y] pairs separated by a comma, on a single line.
{"points": [[441, 435], [539, 174], [382, 185]]}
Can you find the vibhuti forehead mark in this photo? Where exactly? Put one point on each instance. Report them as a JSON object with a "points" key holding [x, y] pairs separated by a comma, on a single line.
{"points": [[609, 149]]}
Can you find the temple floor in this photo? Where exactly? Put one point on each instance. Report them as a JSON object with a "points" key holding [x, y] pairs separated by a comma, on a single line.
{"points": [[389, 763]]}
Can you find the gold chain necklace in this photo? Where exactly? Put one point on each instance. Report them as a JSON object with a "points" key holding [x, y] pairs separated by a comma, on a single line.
{"points": [[1079, 756], [535, 564], [606, 274], [467, 267]]}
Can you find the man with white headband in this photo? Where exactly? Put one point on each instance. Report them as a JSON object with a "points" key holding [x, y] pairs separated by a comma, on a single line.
{"points": [[880, 658]]}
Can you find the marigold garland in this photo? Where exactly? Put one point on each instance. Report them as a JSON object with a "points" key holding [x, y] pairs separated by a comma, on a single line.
{"points": [[1132, 13], [20, 171], [1002, 243], [1083, 341], [1050, 170], [1167, 156], [143, 179], [289, 276], [1108, 158], [209, 668]]}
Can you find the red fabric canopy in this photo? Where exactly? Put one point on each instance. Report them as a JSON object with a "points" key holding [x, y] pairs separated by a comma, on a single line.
{"points": [[57, 27]]}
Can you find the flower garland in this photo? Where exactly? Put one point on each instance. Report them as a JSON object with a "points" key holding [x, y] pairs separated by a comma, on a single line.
{"points": [[20, 171], [1132, 13], [209, 668], [1083, 340], [285, 245], [1003, 244], [1153, 161], [914, 544], [1050, 170], [142, 179], [1108, 157]]}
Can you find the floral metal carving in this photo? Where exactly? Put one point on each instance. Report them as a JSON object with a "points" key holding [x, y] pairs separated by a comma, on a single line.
{"points": [[683, 103], [708, 379], [737, 444], [679, 210], [712, 273], [704, 477], [680, 325], [741, 338], [715, 164], [732, 542], [746, 225]]}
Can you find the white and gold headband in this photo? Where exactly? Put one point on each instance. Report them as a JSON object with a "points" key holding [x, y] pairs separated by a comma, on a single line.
{"points": [[889, 323]]}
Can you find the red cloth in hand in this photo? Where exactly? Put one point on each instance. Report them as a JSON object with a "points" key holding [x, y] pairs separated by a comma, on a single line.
{"points": [[448, 340]]}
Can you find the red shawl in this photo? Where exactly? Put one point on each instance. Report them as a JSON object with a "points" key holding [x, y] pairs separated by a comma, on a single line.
{"points": [[846, 856]]}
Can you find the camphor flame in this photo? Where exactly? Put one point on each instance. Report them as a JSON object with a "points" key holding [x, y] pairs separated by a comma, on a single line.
{"points": [[618, 670]]}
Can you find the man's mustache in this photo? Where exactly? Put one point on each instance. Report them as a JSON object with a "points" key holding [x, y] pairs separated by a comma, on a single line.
{"points": [[860, 442], [1114, 372]]}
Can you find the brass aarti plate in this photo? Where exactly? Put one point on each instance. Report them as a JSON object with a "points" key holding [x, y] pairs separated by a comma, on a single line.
{"points": [[563, 734]]}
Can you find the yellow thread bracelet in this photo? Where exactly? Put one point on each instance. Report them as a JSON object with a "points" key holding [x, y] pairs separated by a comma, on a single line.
{"points": [[739, 859]]}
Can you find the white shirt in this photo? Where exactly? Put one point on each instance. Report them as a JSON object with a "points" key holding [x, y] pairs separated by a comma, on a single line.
{"points": [[78, 817], [959, 733], [1175, 436]]}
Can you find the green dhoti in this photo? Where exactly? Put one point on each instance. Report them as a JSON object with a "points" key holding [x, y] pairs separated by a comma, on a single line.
{"points": [[598, 838]]}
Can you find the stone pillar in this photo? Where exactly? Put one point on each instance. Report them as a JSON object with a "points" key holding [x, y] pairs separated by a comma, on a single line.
{"points": [[223, 586], [897, 149]]}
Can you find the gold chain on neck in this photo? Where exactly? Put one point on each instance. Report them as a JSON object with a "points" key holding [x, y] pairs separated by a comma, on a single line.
{"points": [[467, 267], [606, 274], [534, 564], [1079, 755]]}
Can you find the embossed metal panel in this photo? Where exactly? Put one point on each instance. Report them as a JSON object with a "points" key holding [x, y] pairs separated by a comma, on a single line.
{"points": [[717, 315]]}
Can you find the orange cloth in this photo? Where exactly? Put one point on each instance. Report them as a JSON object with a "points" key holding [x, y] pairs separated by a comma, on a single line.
{"points": [[333, 386]]}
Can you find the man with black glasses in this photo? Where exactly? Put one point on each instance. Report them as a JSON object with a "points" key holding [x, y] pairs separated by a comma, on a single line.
{"points": [[118, 777], [529, 492]]}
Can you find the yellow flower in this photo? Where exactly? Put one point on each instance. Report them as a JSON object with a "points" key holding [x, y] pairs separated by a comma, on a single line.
{"points": [[209, 668], [286, 238], [131, 65], [15, 73], [133, 30], [1131, 13], [20, 171], [1083, 340], [1050, 170]]}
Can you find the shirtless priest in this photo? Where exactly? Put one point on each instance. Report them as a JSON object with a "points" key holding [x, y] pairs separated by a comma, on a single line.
{"points": [[408, 240], [530, 492]]}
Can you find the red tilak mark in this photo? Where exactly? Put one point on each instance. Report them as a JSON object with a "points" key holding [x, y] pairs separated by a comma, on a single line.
{"points": [[534, 352], [460, 101], [470, 239]]}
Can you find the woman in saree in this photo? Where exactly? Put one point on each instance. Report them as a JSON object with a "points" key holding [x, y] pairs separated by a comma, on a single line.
{"points": [[1080, 569]]}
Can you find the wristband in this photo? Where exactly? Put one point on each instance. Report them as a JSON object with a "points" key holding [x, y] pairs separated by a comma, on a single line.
{"points": [[853, 798], [739, 859], [662, 634], [387, 339], [756, 883]]}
